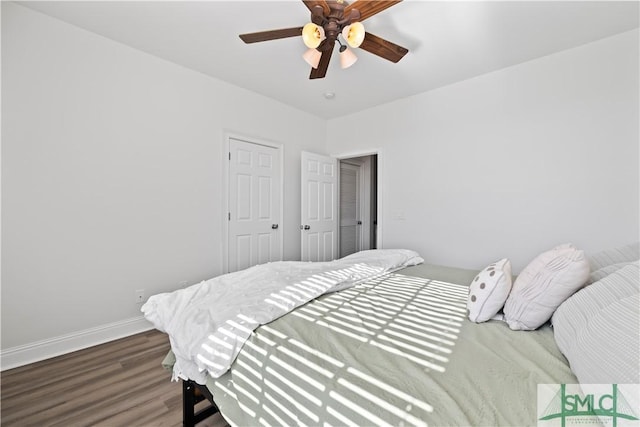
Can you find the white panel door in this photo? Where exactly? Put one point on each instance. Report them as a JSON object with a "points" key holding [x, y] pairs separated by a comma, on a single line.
{"points": [[319, 196], [254, 204]]}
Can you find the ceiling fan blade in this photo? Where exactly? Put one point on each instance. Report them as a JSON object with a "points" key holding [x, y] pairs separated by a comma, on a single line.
{"points": [[323, 65], [262, 36], [383, 48], [311, 3], [368, 8]]}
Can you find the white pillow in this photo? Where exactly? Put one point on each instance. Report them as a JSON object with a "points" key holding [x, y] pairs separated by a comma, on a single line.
{"points": [[544, 284], [598, 329], [627, 253], [603, 272], [489, 290]]}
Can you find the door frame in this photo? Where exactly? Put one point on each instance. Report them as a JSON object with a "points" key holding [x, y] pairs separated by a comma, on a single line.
{"points": [[379, 190], [225, 179], [359, 170]]}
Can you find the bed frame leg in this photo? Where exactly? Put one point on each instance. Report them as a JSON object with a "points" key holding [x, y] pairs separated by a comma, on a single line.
{"points": [[188, 403], [192, 394]]}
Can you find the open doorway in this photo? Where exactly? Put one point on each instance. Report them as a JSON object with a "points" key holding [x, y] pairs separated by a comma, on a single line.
{"points": [[358, 204]]}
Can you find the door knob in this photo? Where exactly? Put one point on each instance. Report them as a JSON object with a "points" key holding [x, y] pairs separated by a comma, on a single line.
{"points": [[274, 226], [307, 227]]}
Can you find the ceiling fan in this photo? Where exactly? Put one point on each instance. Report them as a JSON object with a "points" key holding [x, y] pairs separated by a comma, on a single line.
{"points": [[330, 19]]}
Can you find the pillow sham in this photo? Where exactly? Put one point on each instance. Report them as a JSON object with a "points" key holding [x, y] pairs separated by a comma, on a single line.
{"points": [[489, 290], [543, 285], [603, 272], [598, 329], [627, 253]]}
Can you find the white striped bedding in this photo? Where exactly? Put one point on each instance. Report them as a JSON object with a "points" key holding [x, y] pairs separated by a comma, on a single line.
{"points": [[597, 329], [608, 257]]}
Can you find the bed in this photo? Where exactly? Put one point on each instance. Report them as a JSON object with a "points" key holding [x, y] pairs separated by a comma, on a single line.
{"points": [[395, 348]]}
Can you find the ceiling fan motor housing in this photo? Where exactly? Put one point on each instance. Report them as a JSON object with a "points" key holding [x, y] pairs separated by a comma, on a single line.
{"points": [[333, 23]]}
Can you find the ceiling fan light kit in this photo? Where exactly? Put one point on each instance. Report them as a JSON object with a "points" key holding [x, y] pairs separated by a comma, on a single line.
{"points": [[312, 35], [347, 58], [312, 56], [330, 19], [354, 34]]}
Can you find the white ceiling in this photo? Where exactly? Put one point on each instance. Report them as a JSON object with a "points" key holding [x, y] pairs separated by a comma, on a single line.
{"points": [[448, 41]]}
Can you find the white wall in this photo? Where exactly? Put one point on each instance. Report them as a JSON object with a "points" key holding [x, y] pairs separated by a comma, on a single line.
{"points": [[111, 170], [510, 163]]}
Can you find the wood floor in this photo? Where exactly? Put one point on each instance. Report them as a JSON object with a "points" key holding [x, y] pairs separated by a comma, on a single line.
{"points": [[120, 383]]}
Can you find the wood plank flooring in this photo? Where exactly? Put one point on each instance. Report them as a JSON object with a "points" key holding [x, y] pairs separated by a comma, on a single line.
{"points": [[120, 383]]}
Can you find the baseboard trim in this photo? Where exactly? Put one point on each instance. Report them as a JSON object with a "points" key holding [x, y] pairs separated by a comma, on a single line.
{"points": [[41, 350]]}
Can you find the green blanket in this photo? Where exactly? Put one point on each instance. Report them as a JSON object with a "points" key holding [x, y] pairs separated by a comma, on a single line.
{"points": [[393, 351]]}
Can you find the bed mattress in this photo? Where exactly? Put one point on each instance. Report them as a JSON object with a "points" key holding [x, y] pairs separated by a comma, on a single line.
{"points": [[396, 350]]}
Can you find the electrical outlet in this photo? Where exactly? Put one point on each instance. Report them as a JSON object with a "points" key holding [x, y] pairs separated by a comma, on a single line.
{"points": [[139, 296]]}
